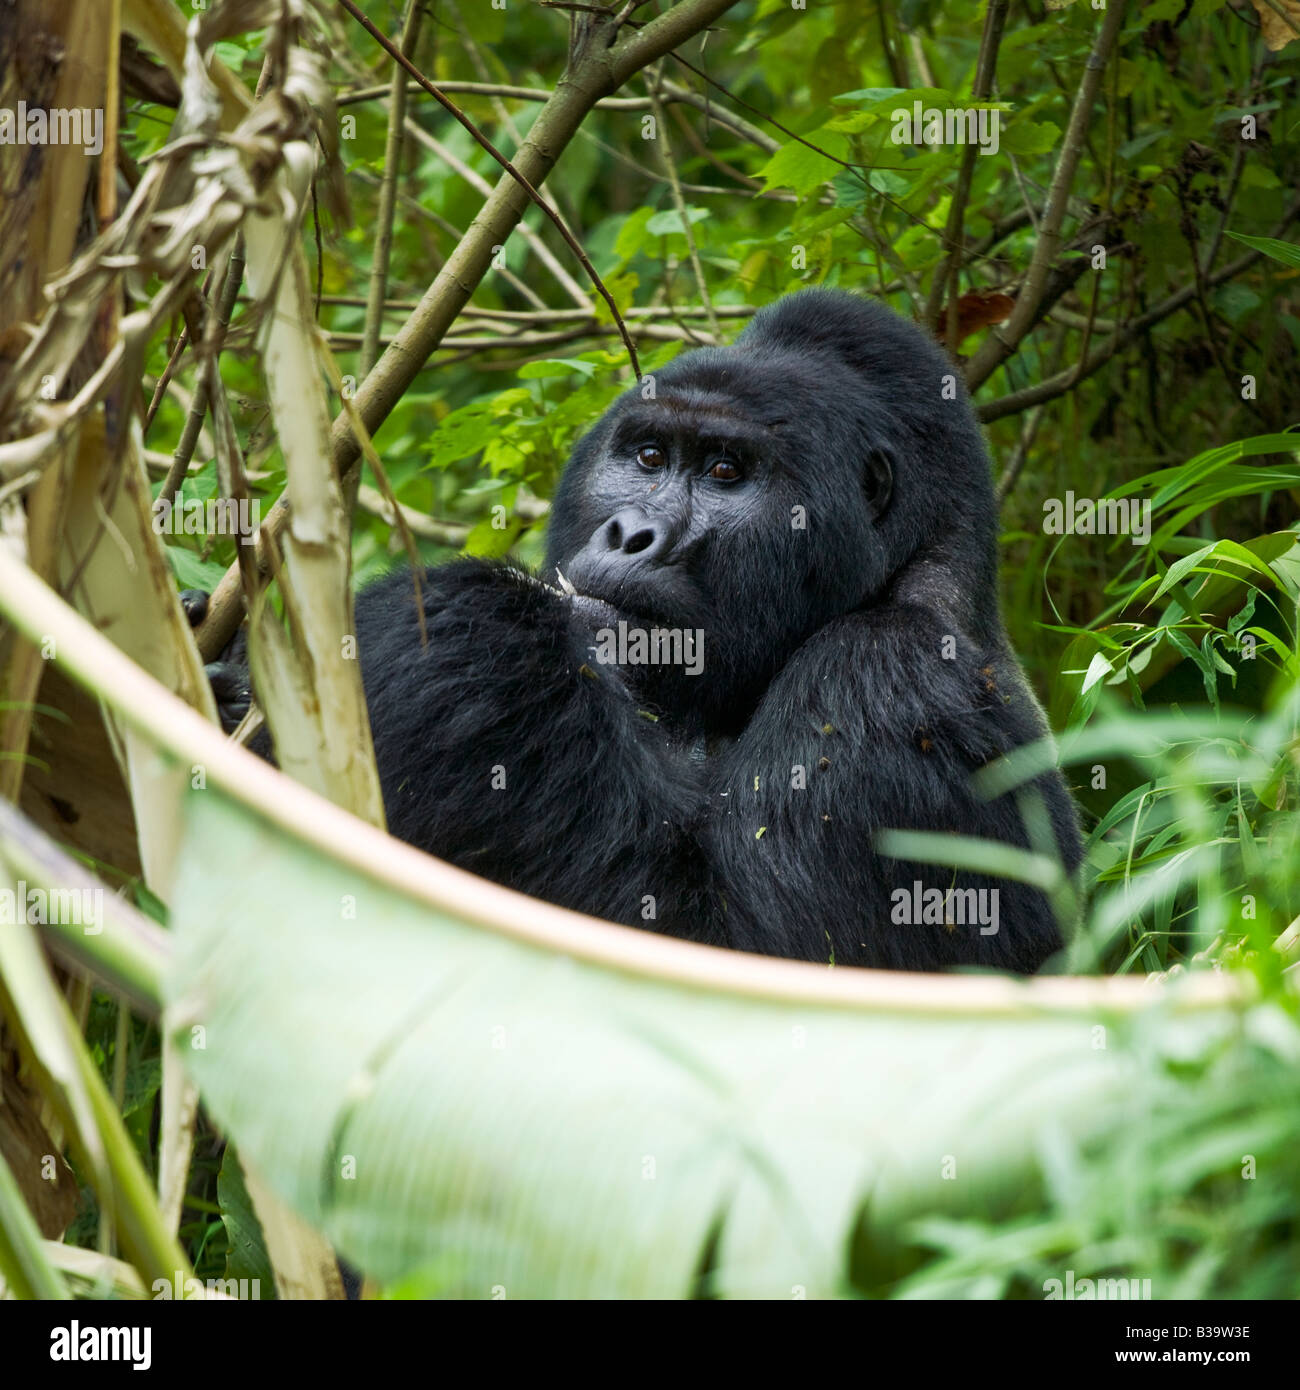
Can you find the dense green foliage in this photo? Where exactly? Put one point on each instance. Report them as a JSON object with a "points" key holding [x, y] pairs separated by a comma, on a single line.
{"points": [[1169, 669], [1186, 155]]}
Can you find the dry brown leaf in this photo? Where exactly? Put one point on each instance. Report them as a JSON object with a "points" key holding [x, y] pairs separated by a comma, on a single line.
{"points": [[1278, 29], [976, 309]]}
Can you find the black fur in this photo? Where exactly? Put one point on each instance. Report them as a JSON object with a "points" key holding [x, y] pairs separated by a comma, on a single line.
{"points": [[665, 800]]}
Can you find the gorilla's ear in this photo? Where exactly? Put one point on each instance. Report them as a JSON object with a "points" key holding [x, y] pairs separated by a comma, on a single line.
{"points": [[878, 480]]}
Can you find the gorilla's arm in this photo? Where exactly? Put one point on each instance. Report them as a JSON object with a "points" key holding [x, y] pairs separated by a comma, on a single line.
{"points": [[505, 748], [868, 727]]}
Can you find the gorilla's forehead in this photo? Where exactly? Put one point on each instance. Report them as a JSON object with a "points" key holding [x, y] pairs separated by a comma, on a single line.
{"points": [[710, 417], [758, 382], [733, 390]]}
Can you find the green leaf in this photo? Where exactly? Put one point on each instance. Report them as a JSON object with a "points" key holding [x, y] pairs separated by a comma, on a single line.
{"points": [[1283, 251], [796, 166], [889, 181], [1140, 142], [1029, 137], [632, 234], [193, 571], [556, 366], [471, 428], [669, 221], [1180, 569], [869, 96], [488, 541], [561, 1126], [246, 1254]]}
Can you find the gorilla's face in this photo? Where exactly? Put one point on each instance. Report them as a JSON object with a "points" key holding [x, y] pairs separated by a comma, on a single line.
{"points": [[742, 502]]}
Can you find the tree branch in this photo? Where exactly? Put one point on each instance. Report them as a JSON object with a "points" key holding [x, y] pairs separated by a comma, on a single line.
{"points": [[1001, 343], [480, 139], [945, 281], [1063, 381], [388, 194], [595, 72]]}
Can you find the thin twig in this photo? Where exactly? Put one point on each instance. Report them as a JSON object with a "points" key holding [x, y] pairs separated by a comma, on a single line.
{"points": [[451, 533], [1057, 385], [480, 139], [387, 208], [1028, 433], [174, 357], [1002, 342], [664, 333], [679, 202], [946, 280], [417, 209], [466, 36], [672, 92], [546, 315], [1238, 165], [213, 338], [481, 186]]}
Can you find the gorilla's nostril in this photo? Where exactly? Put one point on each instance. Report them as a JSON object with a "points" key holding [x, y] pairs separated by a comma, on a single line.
{"points": [[627, 535]]}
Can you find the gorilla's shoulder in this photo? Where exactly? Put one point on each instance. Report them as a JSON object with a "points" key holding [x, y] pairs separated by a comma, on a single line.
{"points": [[462, 572], [488, 593]]}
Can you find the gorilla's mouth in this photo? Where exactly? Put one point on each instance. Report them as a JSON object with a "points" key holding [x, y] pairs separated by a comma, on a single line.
{"points": [[623, 600], [594, 610]]}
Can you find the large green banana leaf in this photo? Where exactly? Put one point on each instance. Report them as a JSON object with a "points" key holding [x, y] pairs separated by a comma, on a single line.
{"points": [[433, 1093], [499, 1098]]}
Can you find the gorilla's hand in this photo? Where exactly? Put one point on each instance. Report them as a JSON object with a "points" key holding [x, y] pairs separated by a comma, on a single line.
{"points": [[228, 675], [594, 624], [505, 747], [589, 615]]}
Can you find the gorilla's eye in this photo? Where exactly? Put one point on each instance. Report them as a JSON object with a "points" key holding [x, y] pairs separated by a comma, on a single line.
{"points": [[651, 456], [724, 470]]}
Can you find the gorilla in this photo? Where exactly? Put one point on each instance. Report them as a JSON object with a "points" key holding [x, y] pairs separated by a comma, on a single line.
{"points": [[767, 629]]}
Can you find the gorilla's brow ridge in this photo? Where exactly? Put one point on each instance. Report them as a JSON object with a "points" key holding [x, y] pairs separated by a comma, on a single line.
{"points": [[704, 420]]}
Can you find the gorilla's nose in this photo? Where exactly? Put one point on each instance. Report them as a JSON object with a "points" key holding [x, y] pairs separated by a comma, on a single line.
{"points": [[631, 533], [632, 548]]}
